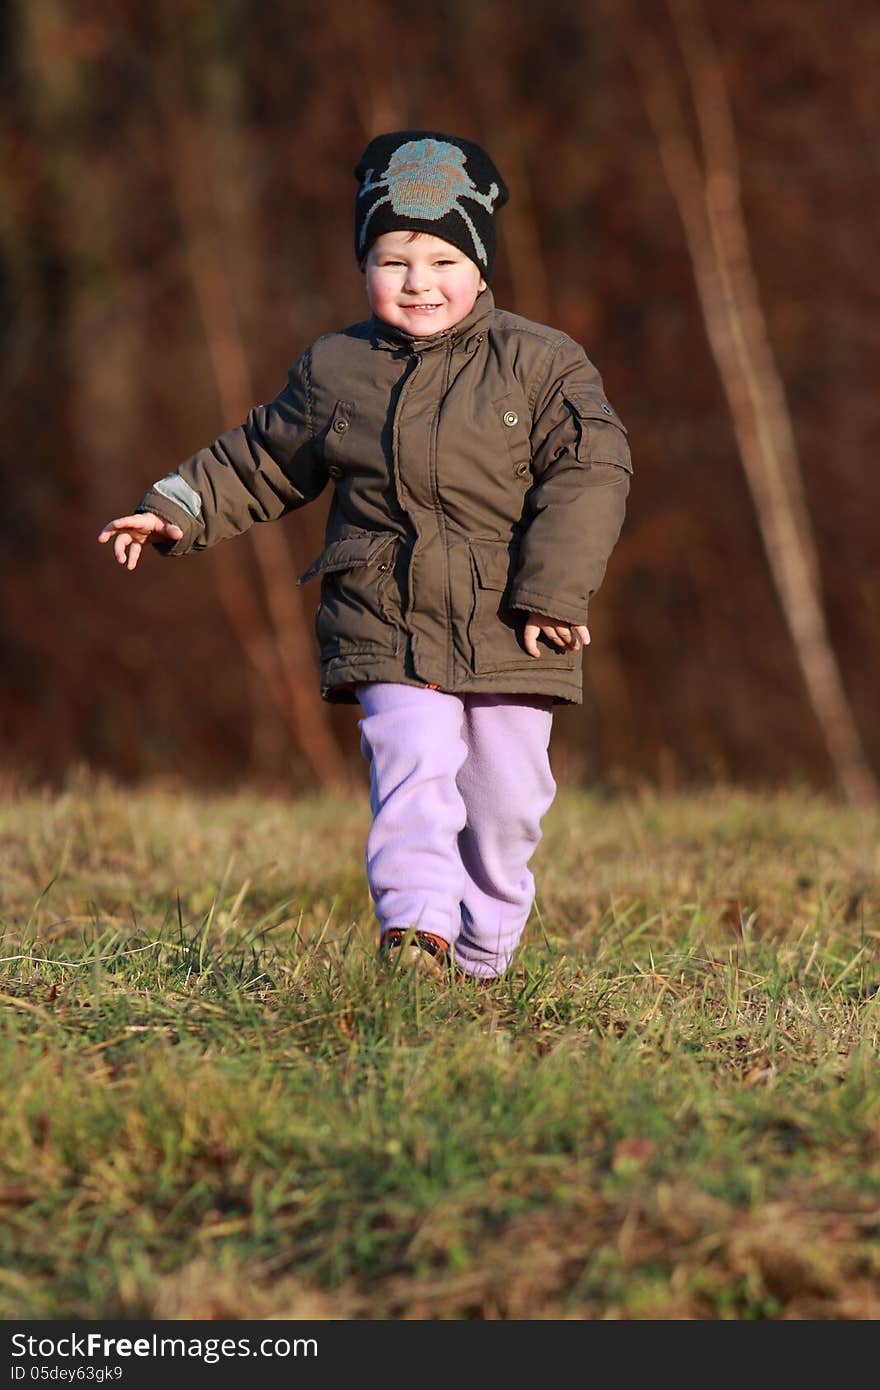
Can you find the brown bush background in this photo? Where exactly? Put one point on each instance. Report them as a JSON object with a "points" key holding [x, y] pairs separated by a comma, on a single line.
{"points": [[176, 215]]}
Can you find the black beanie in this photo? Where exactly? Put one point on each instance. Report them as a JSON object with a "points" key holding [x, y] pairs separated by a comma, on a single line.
{"points": [[424, 181]]}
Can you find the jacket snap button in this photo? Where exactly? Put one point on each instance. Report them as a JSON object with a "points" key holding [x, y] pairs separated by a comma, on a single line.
{"points": [[521, 468], [608, 410], [511, 417], [334, 470], [383, 566], [341, 426]]}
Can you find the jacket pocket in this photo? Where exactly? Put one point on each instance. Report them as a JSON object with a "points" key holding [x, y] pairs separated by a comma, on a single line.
{"points": [[360, 603], [601, 432], [493, 630]]}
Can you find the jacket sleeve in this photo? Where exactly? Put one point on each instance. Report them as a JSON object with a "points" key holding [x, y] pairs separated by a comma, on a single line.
{"points": [[575, 509], [258, 471]]}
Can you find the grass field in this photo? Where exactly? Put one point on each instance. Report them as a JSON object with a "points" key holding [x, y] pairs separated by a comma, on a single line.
{"points": [[215, 1104]]}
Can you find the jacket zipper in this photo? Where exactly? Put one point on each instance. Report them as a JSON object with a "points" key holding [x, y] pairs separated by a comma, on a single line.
{"points": [[441, 519], [395, 445]]}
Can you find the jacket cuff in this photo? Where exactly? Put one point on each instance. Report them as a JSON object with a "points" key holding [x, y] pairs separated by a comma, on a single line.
{"points": [[564, 611], [153, 501]]}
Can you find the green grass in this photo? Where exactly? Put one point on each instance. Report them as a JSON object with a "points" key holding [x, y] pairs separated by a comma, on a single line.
{"points": [[215, 1104]]}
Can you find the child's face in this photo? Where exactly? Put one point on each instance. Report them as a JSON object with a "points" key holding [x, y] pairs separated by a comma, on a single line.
{"points": [[423, 285]]}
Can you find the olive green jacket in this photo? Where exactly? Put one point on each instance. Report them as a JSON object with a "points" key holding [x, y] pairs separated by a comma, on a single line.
{"points": [[477, 474]]}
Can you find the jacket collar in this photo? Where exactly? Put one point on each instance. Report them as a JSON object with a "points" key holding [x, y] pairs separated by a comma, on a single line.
{"points": [[384, 334]]}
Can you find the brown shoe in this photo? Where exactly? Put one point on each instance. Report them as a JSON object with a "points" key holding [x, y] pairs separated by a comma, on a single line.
{"points": [[425, 952]]}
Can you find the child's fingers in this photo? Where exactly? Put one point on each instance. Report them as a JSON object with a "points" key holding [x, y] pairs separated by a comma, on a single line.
{"points": [[142, 524], [122, 523], [120, 546], [558, 634], [568, 637], [130, 534]]}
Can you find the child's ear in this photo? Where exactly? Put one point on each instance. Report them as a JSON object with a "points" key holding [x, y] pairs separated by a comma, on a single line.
{"points": [[483, 285]]}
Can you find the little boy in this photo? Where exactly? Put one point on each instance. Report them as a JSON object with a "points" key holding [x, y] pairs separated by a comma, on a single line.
{"points": [[479, 478]]}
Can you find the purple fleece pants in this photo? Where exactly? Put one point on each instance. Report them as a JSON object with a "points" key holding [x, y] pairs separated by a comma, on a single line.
{"points": [[459, 784]]}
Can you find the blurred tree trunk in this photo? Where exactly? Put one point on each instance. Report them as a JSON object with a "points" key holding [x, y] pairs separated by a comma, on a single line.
{"points": [[708, 197], [278, 646], [485, 30], [375, 87]]}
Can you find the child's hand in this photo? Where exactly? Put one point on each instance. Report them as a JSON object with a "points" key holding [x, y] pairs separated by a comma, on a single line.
{"points": [[131, 533], [570, 637]]}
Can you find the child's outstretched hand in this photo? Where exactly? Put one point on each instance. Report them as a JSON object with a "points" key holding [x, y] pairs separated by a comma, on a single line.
{"points": [[570, 637], [131, 533]]}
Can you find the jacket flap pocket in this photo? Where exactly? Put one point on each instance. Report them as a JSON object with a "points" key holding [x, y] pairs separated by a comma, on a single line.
{"points": [[602, 432], [349, 553], [492, 561], [592, 405]]}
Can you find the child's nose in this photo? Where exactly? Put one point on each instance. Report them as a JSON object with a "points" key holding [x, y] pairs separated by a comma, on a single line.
{"points": [[416, 280]]}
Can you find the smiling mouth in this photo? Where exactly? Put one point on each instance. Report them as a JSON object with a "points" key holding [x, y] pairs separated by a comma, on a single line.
{"points": [[422, 308]]}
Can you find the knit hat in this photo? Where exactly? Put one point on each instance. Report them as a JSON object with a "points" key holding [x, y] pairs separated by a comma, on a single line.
{"points": [[424, 181]]}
